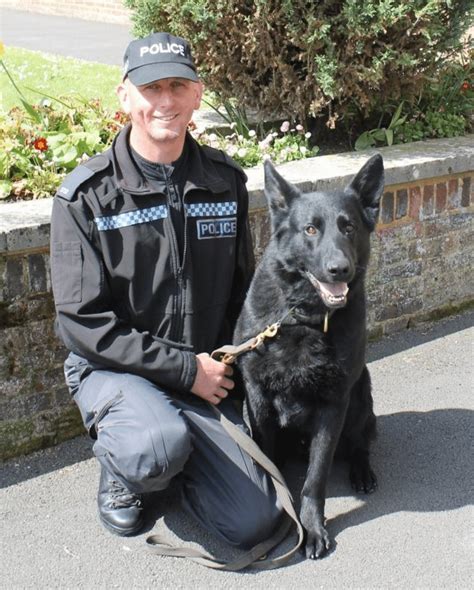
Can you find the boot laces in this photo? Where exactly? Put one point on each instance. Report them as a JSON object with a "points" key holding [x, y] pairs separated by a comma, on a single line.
{"points": [[121, 497]]}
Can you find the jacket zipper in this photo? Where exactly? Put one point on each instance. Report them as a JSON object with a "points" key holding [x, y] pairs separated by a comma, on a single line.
{"points": [[178, 267], [181, 278]]}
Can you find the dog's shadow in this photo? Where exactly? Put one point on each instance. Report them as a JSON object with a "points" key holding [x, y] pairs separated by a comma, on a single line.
{"points": [[422, 462]]}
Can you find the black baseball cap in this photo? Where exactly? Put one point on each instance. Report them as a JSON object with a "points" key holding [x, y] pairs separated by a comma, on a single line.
{"points": [[156, 57]]}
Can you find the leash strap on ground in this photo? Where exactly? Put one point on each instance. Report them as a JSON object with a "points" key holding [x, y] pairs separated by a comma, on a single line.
{"points": [[253, 559]]}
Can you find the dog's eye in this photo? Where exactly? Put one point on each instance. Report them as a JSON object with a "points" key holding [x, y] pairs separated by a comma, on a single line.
{"points": [[310, 229], [349, 228]]}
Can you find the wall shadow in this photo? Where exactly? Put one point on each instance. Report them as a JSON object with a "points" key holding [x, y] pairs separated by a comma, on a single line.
{"points": [[44, 461]]}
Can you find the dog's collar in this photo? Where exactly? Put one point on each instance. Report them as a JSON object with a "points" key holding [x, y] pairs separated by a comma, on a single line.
{"points": [[312, 319]]}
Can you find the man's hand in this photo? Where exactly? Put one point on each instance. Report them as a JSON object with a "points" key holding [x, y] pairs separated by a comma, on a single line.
{"points": [[212, 379]]}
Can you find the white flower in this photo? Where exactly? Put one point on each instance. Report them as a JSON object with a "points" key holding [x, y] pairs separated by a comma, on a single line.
{"points": [[232, 150], [241, 152], [212, 137], [299, 128], [265, 143], [285, 127], [307, 135], [303, 149], [252, 133]]}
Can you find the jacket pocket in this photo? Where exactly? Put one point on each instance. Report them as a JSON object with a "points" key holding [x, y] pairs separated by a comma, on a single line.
{"points": [[66, 272]]}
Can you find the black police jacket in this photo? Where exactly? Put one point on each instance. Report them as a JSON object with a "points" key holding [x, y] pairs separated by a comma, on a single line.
{"points": [[124, 297]]}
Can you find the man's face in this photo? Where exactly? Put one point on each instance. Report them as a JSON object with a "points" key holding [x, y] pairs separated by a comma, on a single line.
{"points": [[160, 111]]}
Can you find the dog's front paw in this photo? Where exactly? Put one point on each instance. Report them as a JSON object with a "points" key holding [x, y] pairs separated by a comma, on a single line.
{"points": [[318, 543]]}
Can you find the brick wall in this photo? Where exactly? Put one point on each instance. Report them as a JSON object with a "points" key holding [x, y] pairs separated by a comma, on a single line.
{"points": [[421, 267], [109, 11]]}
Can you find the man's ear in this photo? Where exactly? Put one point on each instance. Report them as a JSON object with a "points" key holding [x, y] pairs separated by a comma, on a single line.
{"points": [[199, 92], [122, 94]]}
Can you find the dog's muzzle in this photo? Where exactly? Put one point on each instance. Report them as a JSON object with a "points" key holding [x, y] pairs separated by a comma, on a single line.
{"points": [[334, 295]]}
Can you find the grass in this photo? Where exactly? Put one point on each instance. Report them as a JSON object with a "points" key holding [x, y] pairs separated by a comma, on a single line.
{"points": [[56, 76]]}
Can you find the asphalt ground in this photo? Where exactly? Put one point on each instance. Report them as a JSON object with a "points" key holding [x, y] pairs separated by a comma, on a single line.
{"points": [[71, 37], [415, 532]]}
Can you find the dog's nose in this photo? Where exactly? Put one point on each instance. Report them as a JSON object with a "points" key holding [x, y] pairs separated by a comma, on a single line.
{"points": [[338, 270]]}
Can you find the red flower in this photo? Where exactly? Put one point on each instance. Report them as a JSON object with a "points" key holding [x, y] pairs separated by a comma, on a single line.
{"points": [[121, 117], [465, 86], [40, 144]]}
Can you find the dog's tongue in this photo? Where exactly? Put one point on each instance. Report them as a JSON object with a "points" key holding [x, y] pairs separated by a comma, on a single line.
{"points": [[334, 289]]}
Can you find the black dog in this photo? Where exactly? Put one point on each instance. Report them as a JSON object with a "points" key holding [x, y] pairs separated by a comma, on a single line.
{"points": [[312, 376]]}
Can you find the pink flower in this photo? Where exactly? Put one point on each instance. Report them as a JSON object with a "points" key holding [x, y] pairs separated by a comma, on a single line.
{"points": [[285, 127]]}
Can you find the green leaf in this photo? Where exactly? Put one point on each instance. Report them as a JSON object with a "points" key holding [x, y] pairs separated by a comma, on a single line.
{"points": [[5, 188], [398, 122], [396, 115], [389, 134], [31, 111], [364, 141], [379, 134], [4, 165]]}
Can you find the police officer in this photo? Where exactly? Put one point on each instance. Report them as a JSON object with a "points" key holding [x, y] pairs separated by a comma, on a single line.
{"points": [[151, 257]]}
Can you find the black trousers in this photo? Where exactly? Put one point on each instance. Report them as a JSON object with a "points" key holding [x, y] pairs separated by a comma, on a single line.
{"points": [[145, 437]]}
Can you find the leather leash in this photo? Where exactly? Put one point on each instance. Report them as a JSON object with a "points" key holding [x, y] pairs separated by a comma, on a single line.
{"points": [[254, 559]]}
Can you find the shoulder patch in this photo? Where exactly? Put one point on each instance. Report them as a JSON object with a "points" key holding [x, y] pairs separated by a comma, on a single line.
{"points": [[221, 156], [80, 174]]}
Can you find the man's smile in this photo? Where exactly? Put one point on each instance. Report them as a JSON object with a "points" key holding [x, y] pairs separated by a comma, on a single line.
{"points": [[166, 118]]}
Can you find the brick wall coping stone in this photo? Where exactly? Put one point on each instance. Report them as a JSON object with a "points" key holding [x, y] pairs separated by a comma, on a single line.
{"points": [[25, 225]]}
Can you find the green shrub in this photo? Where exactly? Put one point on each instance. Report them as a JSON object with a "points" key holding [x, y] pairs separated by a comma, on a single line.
{"points": [[444, 109], [298, 57]]}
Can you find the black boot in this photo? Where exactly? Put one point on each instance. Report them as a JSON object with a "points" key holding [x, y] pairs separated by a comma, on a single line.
{"points": [[120, 510]]}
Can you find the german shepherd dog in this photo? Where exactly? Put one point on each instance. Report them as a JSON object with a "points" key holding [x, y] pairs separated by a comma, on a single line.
{"points": [[312, 376]]}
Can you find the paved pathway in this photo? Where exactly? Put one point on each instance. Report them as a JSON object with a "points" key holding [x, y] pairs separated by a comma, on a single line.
{"points": [[414, 532], [83, 39]]}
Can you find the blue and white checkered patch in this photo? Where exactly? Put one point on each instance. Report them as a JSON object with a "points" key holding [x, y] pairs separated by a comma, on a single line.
{"points": [[212, 209], [131, 218]]}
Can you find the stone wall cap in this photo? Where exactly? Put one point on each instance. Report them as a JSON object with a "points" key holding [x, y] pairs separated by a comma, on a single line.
{"points": [[24, 214], [403, 163]]}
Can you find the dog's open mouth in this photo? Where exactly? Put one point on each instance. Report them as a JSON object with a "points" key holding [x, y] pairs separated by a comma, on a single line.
{"points": [[332, 294]]}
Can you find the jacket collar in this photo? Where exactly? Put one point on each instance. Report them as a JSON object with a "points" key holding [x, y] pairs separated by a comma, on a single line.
{"points": [[200, 172]]}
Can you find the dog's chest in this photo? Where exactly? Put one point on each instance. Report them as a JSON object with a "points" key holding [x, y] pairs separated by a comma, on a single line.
{"points": [[297, 371]]}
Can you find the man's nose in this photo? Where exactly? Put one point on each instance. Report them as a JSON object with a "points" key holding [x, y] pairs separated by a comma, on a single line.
{"points": [[165, 99]]}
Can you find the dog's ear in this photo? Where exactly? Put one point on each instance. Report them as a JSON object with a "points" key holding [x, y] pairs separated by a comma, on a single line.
{"points": [[278, 191], [368, 184]]}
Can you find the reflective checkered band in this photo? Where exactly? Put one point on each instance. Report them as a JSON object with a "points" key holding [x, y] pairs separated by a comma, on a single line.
{"points": [[131, 218], [212, 209]]}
